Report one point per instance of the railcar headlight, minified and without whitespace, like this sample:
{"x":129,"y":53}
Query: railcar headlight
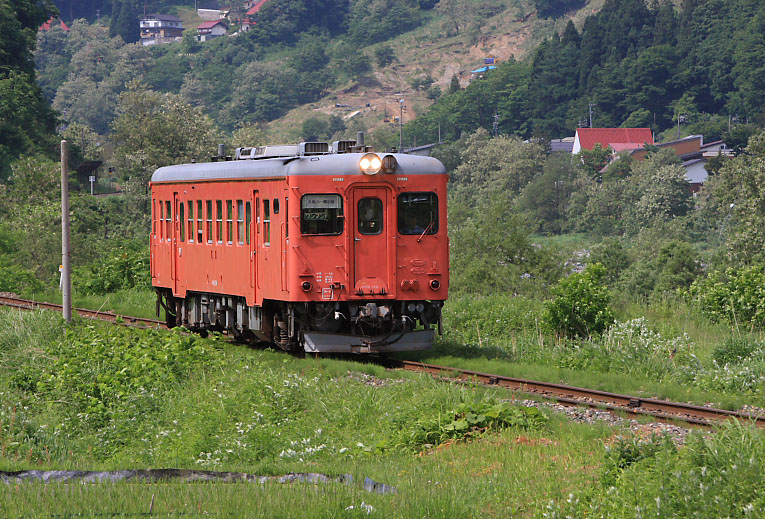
{"x":370,"y":164}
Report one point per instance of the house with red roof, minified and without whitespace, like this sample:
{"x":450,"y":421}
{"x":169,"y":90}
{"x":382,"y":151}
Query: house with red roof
{"x":209,"y":30}
{"x":52,"y":23}
{"x":249,"y":18}
{"x":618,"y":139}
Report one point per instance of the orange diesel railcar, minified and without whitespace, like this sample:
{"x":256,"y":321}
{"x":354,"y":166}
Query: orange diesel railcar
{"x":325,"y":248}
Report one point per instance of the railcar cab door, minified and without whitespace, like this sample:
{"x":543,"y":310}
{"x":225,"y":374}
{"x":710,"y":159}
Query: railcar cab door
{"x":178,"y":242}
{"x":370,"y":228}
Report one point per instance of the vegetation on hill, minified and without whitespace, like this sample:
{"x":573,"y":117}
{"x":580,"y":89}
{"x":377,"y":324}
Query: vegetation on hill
{"x":26,"y":121}
{"x":636,"y":64}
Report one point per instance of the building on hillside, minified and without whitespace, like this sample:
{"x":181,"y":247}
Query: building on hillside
{"x":210,"y":30}
{"x":564,"y":145}
{"x":52,"y":22}
{"x":210,"y":15}
{"x":160,"y":28}
{"x":618,"y":139}
{"x":250,"y":17}
{"x":693,"y":153}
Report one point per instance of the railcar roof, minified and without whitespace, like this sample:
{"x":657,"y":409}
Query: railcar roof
{"x":345,"y":164}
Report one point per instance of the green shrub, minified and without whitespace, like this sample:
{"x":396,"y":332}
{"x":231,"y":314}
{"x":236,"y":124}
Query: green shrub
{"x":736,"y":295}
{"x":713,"y":475}
{"x":735,"y":349}
{"x":470,"y":419}
{"x":123,"y":268}
{"x":581,"y":304}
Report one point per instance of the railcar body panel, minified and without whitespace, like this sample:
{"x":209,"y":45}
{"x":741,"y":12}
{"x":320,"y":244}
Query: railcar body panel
{"x":306,"y":229}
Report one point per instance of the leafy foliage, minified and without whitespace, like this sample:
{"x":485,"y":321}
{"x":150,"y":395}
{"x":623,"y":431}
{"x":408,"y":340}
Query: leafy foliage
{"x":581,"y":304}
{"x":124,"y":267}
{"x":101,"y":374}
{"x":491,"y":251}
{"x":471,"y":420}
{"x":736,"y":296}
{"x":716,"y":475}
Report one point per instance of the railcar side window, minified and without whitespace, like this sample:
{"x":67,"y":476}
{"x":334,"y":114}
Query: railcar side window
{"x":209,"y":222}
{"x":418,"y":213}
{"x":321,"y":214}
{"x":219,"y":221}
{"x":168,"y":221}
{"x":240,"y":222}
{"x":200,"y":216}
{"x":248,"y":220}
{"x":266,"y":223}
{"x":370,"y":216}
{"x":182,"y":221}
{"x":154,"y":218}
{"x":191,"y":221}
{"x":276,"y":206}
{"x":161,"y":220}
{"x":229,"y":223}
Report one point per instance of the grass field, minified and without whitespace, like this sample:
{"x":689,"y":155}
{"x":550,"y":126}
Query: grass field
{"x":90,"y":396}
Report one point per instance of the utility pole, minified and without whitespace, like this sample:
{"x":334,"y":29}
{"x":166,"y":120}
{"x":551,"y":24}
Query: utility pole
{"x":495,"y":126}
{"x":590,"y":115}
{"x":402,"y":109}
{"x":66,"y":267}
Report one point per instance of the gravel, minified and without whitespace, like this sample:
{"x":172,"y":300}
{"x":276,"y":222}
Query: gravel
{"x":591,"y":416}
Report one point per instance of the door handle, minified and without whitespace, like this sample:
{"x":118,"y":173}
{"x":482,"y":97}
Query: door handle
{"x":356,"y":239}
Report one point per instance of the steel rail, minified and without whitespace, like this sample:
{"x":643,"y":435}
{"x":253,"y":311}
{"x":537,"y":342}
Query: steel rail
{"x":577,"y":396}
{"x":27,"y":304}
{"x":561,"y":393}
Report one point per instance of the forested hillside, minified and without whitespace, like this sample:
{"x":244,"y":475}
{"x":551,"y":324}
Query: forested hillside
{"x":635,"y":64}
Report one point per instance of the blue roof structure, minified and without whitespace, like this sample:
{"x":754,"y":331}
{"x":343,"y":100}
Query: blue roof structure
{"x":482,"y":69}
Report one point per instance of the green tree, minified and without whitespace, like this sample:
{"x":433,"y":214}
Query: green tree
{"x":154,"y":130}
{"x":502,"y":165}
{"x":592,"y":161}
{"x":353,"y":63}
{"x":125,"y":23}
{"x":736,"y":196}
{"x":26,"y":121}
{"x":580,"y":307}
{"x":491,"y":250}
{"x":434,"y":92}
{"x":384,"y":56}
{"x":546,"y":196}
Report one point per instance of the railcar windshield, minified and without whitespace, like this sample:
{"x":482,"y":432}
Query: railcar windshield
{"x":418,"y":213}
{"x":321,"y":214}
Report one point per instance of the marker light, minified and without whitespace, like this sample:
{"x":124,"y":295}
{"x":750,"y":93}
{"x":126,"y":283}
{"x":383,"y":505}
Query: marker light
{"x":306,"y":286}
{"x":370,"y":164}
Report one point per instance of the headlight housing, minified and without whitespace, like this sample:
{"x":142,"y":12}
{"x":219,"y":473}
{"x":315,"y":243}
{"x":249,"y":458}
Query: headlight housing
{"x":370,"y":164}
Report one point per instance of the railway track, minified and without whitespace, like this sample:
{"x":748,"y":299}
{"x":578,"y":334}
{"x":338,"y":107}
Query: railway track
{"x":568,"y":395}
{"x":26,"y":304}
{"x":577,"y":396}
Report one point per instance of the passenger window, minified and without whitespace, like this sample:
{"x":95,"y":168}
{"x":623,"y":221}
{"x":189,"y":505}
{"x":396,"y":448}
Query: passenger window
{"x":370,"y":216}
{"x":161,"y":220}
{"x":266,"y":223}
{"x":200,"y":216}
{"x":321,"y":214}
{"x":219,"y":221}
{"x":276,"y":206}
{"x":209,"y":222}
{"x":182,"y":222}
{"x":229,"y":223}
{"x":168,"y":221}
{"x":191,"y":222}
{"x":240,"y":222}
{"x":248,"y":220}
{"x":418,"y":213}
{"x":154,"y":218}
